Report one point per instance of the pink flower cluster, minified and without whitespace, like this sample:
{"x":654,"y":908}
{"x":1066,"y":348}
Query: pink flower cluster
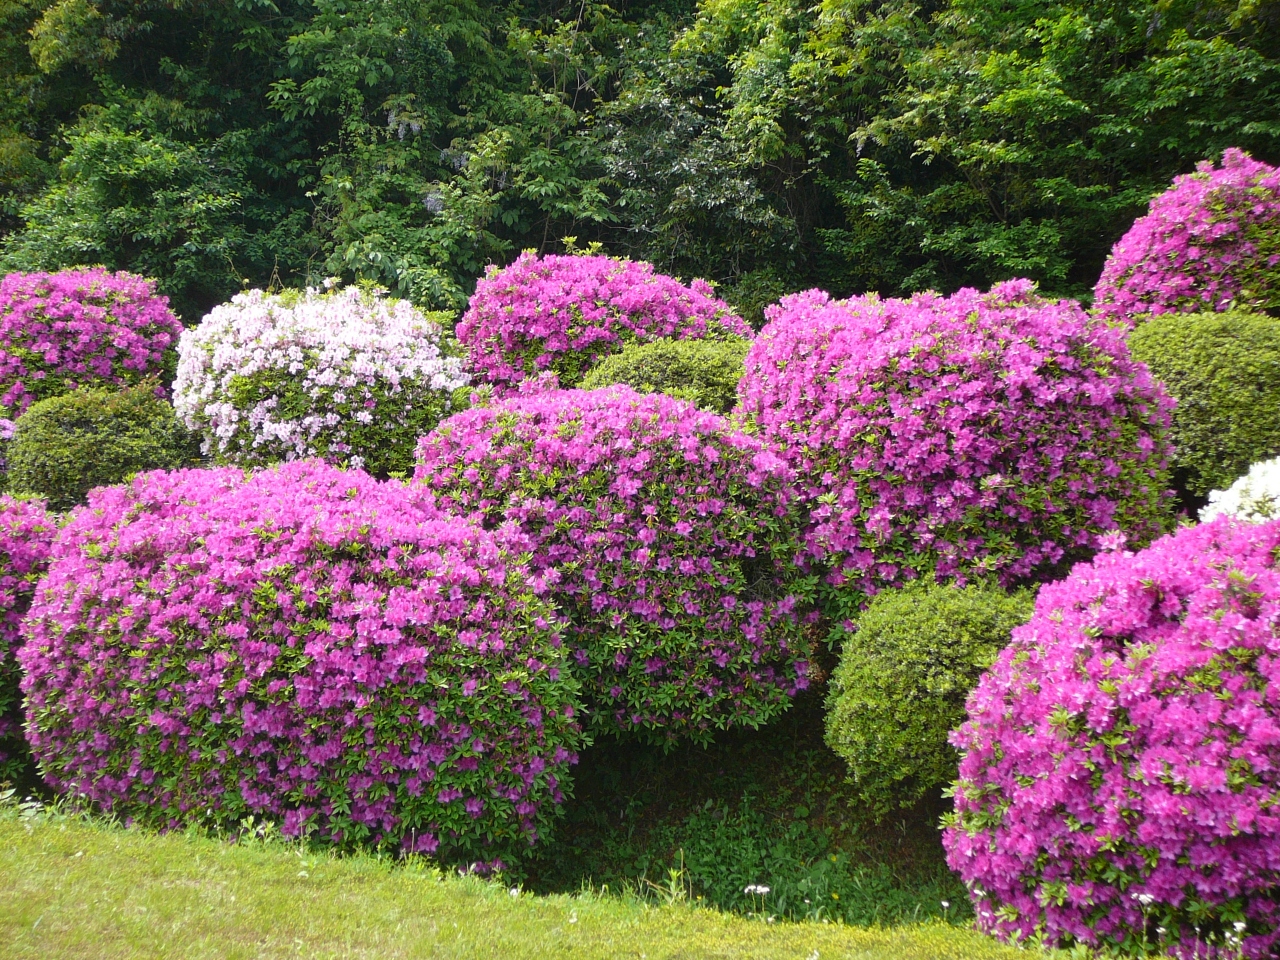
{"x":564,"y":313}
{"x":997,"y":433}
{"x":1121,"y":760}
{"x":306,"y":644}
{"x":62,"y":330}
{"x":664,"y":535}
{"x":26,"y":532}
{"x":1210,"y":241}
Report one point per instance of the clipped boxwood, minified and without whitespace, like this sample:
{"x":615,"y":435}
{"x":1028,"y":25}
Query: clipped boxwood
{"x":902,"y":681}
{"x":65,"y":446}
{"x":704,"y":372}
{"x":1223,"y":369}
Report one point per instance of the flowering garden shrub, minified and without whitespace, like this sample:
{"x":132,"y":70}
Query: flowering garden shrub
{"x":665,"y":537}
{"x":306,"y":644}
{"x":1121,"y":759}
{"x":564,"y":313}
{"x":76,"y":328}
{"x":350,"y":376}
{"x":1254,"y":497}
{"x":995,"y":433}
{"x":1210,"y":241}
{"x":26,"y":531}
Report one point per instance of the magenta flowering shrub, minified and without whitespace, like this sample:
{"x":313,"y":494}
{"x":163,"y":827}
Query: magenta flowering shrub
{"x":665,"y":537}
{"x":304,"y":644}
{"x":1121,"y":760}
{"x":26,"y":532}
{"x":1209,"y":242}
{"x":978,"y":434}
{"x":59,"y":331}
{"x":564,"y":313}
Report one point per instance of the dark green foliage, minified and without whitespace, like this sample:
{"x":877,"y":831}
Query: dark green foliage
{"x":65,"y":446}
{"x":902,"y":681}
{"x":1224,"y":371}
{"x":704,"y":372}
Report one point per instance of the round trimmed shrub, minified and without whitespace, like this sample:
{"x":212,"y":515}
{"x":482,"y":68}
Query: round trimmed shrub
{"x":704,"y":372}
{"x":1121,"y":760}
{"x":350,"y":376}
{"x":665,"y":537}
{"x":75,"y":328}
{"x":905,"y":671}
{"x":1255,"y":497}
{"x":92,"y":437}
{"x":563,"y":314}
{"x":305,"y":644}
{"x":26,"y":533}
{"x":1209,"y":242}
{"x":972,"y":435}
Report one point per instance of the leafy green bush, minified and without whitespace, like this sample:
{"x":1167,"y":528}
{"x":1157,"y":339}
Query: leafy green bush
{"x":64,"y":446}
{"x":704,"y":372}
{"x":1224,"y":371}
{"x":902,"y":681}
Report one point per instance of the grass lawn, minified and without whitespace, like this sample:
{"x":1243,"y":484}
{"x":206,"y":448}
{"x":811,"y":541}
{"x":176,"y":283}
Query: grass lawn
{"x":73,"y":888}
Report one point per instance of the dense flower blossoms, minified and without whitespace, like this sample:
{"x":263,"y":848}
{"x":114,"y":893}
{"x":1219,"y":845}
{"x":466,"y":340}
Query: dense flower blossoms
{"x":26,"y":532}
{"x":663,"y":534}
{"x":351,"y":377}
{"x":305,"y":644}
{"x":1209,"y":242}
{"x":1254,"y":497}
{"x":62,"y":330}
{"x":1121,"y":760}
{"x":563,"y":313}
{"x":995,"y":433}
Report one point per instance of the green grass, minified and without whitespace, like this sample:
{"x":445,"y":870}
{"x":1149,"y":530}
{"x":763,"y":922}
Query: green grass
{"x":72,"y":887}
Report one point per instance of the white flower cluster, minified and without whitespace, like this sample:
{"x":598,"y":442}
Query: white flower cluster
{"x":336,"y":375}
{"x":1254,"y":497}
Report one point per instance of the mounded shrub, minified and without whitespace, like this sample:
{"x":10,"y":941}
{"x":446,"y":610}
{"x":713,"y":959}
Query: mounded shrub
{"x":563,"y":314}
{"x":64,"y":446}
{"x":307,"y":645}
{"x":978,"y":434}
{"x":1121,"y":760}
{"x":1209,"y":242}
{"x":350,"y":376}
{"x":1255,"y":497}
{"x":75,"y":328}
{"x":704,"y":372}
{"x":905,"y":671}
{"x":665,"y":537}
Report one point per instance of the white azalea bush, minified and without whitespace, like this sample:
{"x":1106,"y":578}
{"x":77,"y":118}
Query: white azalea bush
{"x":350,"y":376}
{"x":1254,"y":497}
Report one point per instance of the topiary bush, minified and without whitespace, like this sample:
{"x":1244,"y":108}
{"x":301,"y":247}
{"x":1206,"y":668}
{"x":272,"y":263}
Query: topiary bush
{"x":704,"y":372}
{"x":665,"y":537}
{"x":565,"y":313}
{"x":904,"y":674}
{"x":307,"y":645}
{"x":59,"y":331}
{"x":1121,"y":760}
{"x":350,"y":376}
{"x":978,"y":434}
{"x":64,"y":446}
{"x":1209,"y":242}
{"x":1255,"y":497}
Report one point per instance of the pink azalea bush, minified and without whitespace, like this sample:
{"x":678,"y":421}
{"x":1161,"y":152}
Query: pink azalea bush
{"x":307,"y":645}
{"x":564,"y":313}
{"x":26,"y":532}
{"x":1209,"y":242}
{"x":663,"y":534}
{"x":978,"y":434}
{"x":62,"y":330}
{"x":1121,"y":760}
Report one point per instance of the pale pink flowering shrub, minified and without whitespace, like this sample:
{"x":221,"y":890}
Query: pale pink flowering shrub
{"x":59,"y":331}
{"x":564,"y":313}
{"x":1209,"y":242}
{"x":978,"y":434}
{"x":1121,"y":760}
{"x":665,"y":537}
{"x":308,"y":645}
